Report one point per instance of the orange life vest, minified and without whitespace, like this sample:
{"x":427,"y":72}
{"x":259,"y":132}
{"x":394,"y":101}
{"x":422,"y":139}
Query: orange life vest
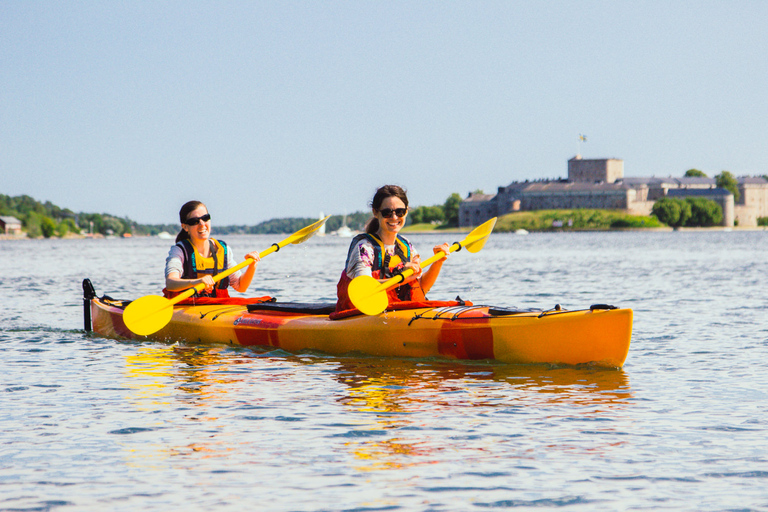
{"x":195,"y":265}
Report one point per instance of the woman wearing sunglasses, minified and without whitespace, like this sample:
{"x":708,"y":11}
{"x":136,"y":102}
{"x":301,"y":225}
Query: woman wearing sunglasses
{"x":381,"y":252}
{"x":197,"y":257}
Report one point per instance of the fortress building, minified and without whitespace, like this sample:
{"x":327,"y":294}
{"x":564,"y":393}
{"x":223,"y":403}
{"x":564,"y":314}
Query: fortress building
{"x":600,"y":184}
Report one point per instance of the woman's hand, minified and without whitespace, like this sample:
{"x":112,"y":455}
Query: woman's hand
{"x":209,"y":283}
{"x":415,"y":265}
{"x":445,"y":248}
{"x":253,"y":256}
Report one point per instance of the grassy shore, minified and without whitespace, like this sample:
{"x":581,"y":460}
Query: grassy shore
{"x":575,"y":220}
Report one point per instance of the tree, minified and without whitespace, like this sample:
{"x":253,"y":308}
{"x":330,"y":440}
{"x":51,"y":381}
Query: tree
{"x":704,"y":212}
{"x":694,"y":173}
{"x":32,"y":225}
{"x":47,"y":226}
{"x":434,"y":213}
{"x":451,"y":209}
{"x":672,"y":212}
{"x":426,"y":214}
{"x":728,"y":181}
{"x":66,"y":226}
{"x":113,"y":226}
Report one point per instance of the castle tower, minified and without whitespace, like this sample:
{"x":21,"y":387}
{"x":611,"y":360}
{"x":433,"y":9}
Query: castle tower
{"x":606,"y":170}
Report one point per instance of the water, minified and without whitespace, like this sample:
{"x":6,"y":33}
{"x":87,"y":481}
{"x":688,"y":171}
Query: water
{"x":94,"y":424}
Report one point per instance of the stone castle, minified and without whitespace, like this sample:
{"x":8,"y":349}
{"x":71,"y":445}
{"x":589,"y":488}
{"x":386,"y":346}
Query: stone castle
{"x":600,"y":183}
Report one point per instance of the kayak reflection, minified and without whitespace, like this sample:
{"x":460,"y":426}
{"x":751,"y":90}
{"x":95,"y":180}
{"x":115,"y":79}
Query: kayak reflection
{"x":404,"y":381}
{"x":159,"y":377}
{"x":416,"y":398}
{"x":388,"y":413}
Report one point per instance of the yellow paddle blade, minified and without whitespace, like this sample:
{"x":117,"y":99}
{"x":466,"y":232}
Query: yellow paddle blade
{"x":476,"y":238}
{"x":148,"y":314}
{"x":306,"y":233}
{"x":367,"y":294}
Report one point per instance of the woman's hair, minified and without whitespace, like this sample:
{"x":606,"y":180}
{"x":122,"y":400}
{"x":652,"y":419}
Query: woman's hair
{"x":381,"y":194}
{"x":188,"y":207}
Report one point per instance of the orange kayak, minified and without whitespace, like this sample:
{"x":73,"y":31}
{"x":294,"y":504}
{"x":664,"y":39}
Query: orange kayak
{"x":598,"y":336}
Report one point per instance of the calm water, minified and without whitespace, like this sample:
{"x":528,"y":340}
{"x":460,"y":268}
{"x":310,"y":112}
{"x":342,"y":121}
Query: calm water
{"x":95,"y":424}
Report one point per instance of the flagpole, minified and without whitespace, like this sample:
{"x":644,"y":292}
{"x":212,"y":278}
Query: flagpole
{"x":582,"y":138}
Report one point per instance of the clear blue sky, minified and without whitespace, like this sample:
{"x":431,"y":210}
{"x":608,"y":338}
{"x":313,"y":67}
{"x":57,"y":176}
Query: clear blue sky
{"x":281,"y":109}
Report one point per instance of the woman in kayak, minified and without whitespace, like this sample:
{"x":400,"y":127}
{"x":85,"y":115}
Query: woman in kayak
{"x":381,"y":252}
{"x":197,"y":257}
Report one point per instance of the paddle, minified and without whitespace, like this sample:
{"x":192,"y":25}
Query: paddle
{"x":151,"y":313}
{"x":370,"y":296}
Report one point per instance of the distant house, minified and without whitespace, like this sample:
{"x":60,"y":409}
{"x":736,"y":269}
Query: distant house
{"x":600,"y":183}
{"x":10,"y":225}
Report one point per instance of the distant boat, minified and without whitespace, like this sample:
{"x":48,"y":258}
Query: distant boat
{"x":344,"y":232}
{"x":321,"y":231}
{"x":521,"y":232}
{"x":165,"y":235}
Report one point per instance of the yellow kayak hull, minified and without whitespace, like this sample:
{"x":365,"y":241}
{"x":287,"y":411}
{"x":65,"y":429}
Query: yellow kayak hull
{"x":598,"y":336}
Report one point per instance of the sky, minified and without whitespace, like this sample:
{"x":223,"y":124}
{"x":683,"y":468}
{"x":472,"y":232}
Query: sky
{"x":289,"y":109}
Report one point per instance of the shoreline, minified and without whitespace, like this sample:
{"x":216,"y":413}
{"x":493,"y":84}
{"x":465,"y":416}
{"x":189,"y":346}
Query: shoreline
{"x":595,"y":230}
{"x":454,"y":231}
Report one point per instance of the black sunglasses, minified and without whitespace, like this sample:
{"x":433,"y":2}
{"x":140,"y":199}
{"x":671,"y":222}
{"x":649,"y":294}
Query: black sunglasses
{"x":194,"y":221}
{"x":387,"y":212}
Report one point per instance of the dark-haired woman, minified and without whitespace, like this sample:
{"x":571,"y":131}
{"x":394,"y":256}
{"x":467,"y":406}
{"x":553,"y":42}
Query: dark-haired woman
{"x":382,"y":252}
{"x":197,"y":258}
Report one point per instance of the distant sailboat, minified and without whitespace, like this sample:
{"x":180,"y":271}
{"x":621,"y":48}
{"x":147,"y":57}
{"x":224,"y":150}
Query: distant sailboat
{"x":321,"y":231}
{"x":344,"y":231}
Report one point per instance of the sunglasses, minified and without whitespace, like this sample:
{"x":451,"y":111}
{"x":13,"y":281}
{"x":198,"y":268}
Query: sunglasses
{"x":387,"y":212}
{"x":194,"y":221}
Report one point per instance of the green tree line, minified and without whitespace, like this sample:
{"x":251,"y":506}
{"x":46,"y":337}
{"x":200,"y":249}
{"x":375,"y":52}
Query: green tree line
{"x":49,"y":220}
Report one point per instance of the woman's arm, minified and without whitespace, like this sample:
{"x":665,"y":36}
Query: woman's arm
{"x":242,"y":284}
{"x":174,"y":282}
{"x":430,"y":275}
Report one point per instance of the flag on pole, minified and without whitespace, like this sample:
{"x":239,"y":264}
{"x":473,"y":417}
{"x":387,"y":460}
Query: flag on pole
{"x":582,"y":138}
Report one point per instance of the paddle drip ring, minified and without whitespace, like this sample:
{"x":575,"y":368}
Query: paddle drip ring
{"x":276,"y":246}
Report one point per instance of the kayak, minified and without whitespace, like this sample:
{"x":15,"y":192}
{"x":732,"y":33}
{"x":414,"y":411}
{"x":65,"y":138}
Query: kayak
{"x":598,"y":336}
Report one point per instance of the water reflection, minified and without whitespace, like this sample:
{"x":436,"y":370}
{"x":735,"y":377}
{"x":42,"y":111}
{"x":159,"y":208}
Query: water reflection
{"x":148,"y":373}
{"x":406,"y":396}
{"x":164,"y":379}
{"x":157,"y":371}
{"x":399,"y":413}
{"x":402,"y":383}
